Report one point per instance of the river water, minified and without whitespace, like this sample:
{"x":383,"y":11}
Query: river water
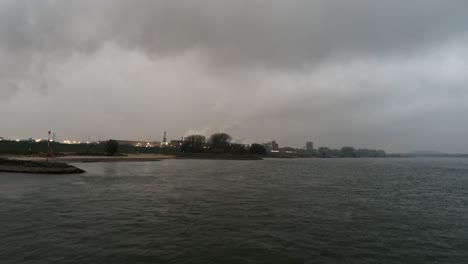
{"x":272,"y":211}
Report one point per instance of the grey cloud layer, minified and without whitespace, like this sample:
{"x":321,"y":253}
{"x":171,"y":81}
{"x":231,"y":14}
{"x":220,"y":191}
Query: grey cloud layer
{"x":268,"y":33}
{"x":340,"y":72}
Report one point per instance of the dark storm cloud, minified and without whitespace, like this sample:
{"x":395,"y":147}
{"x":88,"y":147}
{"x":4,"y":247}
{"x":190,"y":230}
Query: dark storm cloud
{"x":328,"y":70}
{"x":266,"y":33}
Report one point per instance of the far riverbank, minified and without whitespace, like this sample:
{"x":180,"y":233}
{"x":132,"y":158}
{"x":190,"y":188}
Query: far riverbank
{"x":134,"y":157}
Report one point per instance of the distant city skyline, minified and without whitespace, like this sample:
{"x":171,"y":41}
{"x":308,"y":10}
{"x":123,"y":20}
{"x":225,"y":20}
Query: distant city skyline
{"x":387,"y":75}
{"x":272,"y":145}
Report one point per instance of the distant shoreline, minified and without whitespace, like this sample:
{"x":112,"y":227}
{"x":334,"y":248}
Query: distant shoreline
{"x":135,"y":157}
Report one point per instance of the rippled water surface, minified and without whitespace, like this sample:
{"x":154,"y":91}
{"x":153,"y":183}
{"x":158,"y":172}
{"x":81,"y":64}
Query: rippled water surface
{"x":271,"y":211}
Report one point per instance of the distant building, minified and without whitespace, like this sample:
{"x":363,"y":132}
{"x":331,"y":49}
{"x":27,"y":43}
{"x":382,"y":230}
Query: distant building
{"x":272,"y":145}
{"x":142,"y":144}
{"x":176,"y":143}
{"x":130,"y":142}
{"x":310,"y":146}
{"x":289,"y":150}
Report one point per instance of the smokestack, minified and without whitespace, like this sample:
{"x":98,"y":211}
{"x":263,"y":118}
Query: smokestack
{"x":165,"y":139}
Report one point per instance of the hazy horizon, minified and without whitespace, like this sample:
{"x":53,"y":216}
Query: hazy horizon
{"x":389,"y":75}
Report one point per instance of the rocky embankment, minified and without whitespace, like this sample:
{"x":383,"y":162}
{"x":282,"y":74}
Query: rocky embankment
{"x":26,"y":166}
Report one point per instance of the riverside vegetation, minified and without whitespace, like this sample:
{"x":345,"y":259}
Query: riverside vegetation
{"x":217,"y":146}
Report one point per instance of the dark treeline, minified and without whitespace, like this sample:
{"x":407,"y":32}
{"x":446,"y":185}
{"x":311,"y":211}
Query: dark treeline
{"x":350,"y":152}
{"x":219,"y":143}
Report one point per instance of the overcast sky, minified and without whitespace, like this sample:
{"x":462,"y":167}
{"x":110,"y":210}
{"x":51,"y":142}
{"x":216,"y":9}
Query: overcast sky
{"x":379,"y":74}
